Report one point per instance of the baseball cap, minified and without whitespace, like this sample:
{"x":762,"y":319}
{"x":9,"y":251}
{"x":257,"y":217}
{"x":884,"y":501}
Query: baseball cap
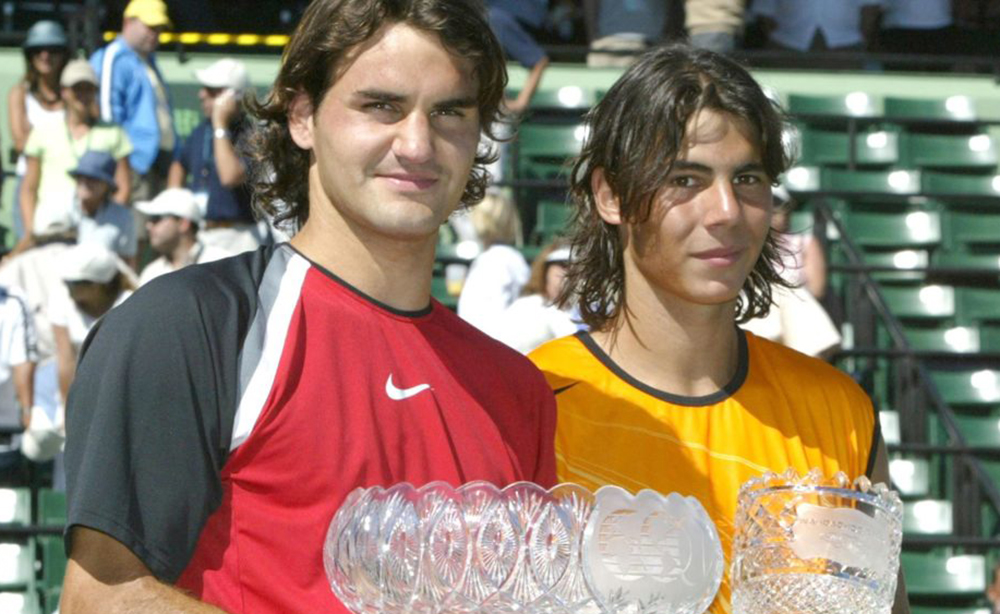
{"x":89,"y":262}
{"x":78,"y":71}
{"x":226,"y":72}
{"x":561,"y":254}
{"x":153,"y":13}
{"x":46,"y":33}
{"x":97,"y":165}
{"x":173,"y":201}
{"x":49,"y":221}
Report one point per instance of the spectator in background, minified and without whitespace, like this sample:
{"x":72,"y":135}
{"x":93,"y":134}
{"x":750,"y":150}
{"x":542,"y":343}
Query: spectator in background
{"x":101,"y":220}
{"x":55,"y":148}
{"x":18,"y":356}
{"x":217,"y":171}
{"x":534,"y":318}
{"x":715,"y":25}
{"x":95,"y":281}
{"x":510,"y":21}
{"x":917,"y":26}
{"x":818,"y":25}
{"x":623,"y":29}
{"x":134,"y":94}
{"x":37,"y":98}
{"x":500,"y":271}
{"x":172,"y":221}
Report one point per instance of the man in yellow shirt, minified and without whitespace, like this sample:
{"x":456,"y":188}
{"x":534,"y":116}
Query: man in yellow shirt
{"x":673,"y":249}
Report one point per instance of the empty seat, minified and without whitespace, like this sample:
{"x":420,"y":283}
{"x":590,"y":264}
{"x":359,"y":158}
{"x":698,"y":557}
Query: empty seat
{"x":53,"y":561}
{"x":957,"y":339}
{"x":927,"y":517}
{"x":980,"y":431}
{"x":544,"y":151}
{"x":927,"y":303}
{"x":20,"y":602}
{"x":950,"y":109}
{"x":894,"y":230}
{"x":932,"y":183}
{"x":854,"y":104}
{"x":51,"y":507}
{"x":978,"y":304}
{"x":903,"y":182}
{"x":963,"y":229}
{"x":567,"y":97}
{"x":15,"y":506}
{"x":969,"y":388}
{"x":874,"y":148}
{"x":911,"y":477}
{"x":17,"y":565}
{"x":903,"y":261}
{"x":889,"y":423}
{"x":965,"y":260}
{"x":931,"y":574}
{"x":948,"y":151}
{"x":552,"y":220}
{"x":916,"y":609}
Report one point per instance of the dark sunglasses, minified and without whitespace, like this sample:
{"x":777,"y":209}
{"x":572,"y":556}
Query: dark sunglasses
{"x":51,"y":50}
{"x":155,"y":219}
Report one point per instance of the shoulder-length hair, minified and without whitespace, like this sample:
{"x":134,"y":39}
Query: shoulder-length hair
{"x":314,"y":58}
{"x":635,"y":134}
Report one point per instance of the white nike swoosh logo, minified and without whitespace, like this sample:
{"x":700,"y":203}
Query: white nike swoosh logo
{"x":398,"y":394}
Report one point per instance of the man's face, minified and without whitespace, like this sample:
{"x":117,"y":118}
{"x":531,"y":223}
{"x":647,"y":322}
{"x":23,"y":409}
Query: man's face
{"x":394,"y":138}
{"x":164,"y":232}
{"x":81,"y":100}
{"x":207,"y":96}
{"x":141,"y":38}
{"x":708,"y":224}
{"x":91,"y":193}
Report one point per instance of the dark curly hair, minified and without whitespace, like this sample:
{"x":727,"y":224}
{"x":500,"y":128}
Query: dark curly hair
{"x":635,"y":134}
{"x":326,"y":35}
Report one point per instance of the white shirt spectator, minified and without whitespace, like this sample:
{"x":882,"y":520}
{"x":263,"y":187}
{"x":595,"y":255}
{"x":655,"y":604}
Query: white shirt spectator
{"x":494,"y":281}
{"x":530,"y":321}
{"x":916,"y":14}
{"x":17,"y":346}
{"x":798,"y":20}
{"x":113,"y":226}
{"x":64,"y":312}
{"x":35,"y":273}
{"x":199,"y":254}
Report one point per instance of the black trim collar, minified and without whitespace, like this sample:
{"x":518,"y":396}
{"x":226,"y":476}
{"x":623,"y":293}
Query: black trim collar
{"x":742,"y":369}
{"x":419,"y":313}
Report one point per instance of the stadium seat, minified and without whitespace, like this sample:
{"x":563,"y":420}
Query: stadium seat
{"x":963,"y":229}
{"x":932,"y":574}
{"x":53,"y":555}
{"x":21,"y":602}
{"x":950,"y":109}
{"x":15,"y":506}
{"x":889,"y":423}
{"x":51,"y":507}
{"x":823,"y":147}
{"x":980,"y":387}
{"x":903,"y":182}
{"x":551,"y":221}
{"x":979,"y":430}
{"x":916,"y":609}
{"x":544,"y":150}
{"x":803,"y":178}
{"x":854,"y":104}
{"x":978,"y":304}
{"x":935,"y":184}
{"x":927,"y":517}
{"x":17,"y":565}
{"x":911,"y":477}
{"x":928,"y":303}
{"x":566,"y":97}
{"x":948,"y":151}
{"x":957,"y":339}
{"x":989,"y":338}
{"x":902,"y":260}
{"x":888,"y":230}
{"x":965,"y":260}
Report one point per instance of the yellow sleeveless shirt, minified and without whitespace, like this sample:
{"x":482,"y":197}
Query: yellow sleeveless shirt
{"x":782,"y":409}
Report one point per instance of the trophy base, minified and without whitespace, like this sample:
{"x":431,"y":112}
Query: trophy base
{"x":803,"y":593}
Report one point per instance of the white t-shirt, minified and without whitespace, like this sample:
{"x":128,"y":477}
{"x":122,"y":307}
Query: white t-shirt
{"x":17,"y":346}
{"x":113,"y":226}
{"x":199,"y":254}
{"x":798,"y":20}
{"x":530,"y":321}
{"x":494,"y":281}
{"x":36,"y":274}
{"x":64,"y":312}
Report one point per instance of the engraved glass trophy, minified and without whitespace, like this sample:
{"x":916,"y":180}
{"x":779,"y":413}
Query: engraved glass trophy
{"x":480,"y":549}
{"x":815,"y":545}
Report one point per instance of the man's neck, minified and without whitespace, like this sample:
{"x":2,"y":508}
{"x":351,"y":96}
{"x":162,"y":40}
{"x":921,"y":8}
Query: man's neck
{"x":396,"y":272}
{"x":78,"y":124}
{"x":673,"y":345}
{"x":180,"y":256}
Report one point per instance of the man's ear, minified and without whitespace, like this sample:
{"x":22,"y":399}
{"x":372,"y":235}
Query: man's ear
{"x":300,"y":121}
{"x":608,"y":205}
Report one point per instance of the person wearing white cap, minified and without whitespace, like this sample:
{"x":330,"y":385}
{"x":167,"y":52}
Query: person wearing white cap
{"x":172,"y":221}
{"x":134,"y":94}
{"x":55,"y":148}
{"x":209,"y":164}
{"x":95,"y":280}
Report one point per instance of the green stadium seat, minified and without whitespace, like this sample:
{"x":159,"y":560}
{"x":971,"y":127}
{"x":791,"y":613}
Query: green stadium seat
{"x":950,"y":109}
{"x":890,"y":230}
{"x":900,"y":182}
{"x":989,"y":338}
{"x":51,"y":507}
{"x":854,"y":104}
{"x":958,"y":339}
{"x":976,"y":151}
{"x":964,"y":229}
{"x":902,"y":260}
{"x":566,"y":97}
{"x":21,"y":602}
{"x":933,"y":574}
{"x":965,"y":260}
{"x":825,"y":147}
{"x":910,"y":476}
{"x":889,"y":423}
{"x":552,"y":220}
{"x":803,"y":179}
{"x":957,"y":184}
{"x":52,"y":597}
{"x":978,"y":304}
{"x":980,"y":430}
{"x":927,"y":517}
{"x":53,"y":561}
{"x":15,"y":506}
{"x":928,"y":303}
{"x":545,"y":150}
{"x":980,"y":387}
{"x":17,"y":565}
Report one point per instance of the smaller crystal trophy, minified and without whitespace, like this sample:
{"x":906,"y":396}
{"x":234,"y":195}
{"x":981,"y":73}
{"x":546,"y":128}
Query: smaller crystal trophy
{"x":525,"y":549}
{"x":815,"y":545}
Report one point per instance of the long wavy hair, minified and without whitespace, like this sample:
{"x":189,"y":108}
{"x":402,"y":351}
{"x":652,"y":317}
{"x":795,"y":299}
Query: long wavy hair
{"x":314,"y":58}
{"x":635,"y":134}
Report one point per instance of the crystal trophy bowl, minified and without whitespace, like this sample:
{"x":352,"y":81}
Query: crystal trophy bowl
{"x":815,"y":545}
{"x":521,"y":549}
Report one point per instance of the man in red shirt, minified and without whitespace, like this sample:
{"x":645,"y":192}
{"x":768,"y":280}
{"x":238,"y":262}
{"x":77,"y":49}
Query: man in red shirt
{"x":223,"y":413}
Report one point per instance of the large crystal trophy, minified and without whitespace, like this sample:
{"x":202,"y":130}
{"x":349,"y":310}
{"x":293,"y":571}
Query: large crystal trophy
{"x":525,"y":549}
{"x":815,"y":545}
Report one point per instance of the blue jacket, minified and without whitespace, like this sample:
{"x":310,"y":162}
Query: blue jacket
{"x":128,"y":98}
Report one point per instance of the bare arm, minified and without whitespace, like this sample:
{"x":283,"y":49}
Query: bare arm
{"x":29,"y":193}
{"x":227,"y":162}
{"x":66,"y":359}
{"x":103,"y":576}
{"x":814,"y":268}
{"x":880,"y":473}
{"x":176,"y":175}
{"x":519,"y":104}
{"x":17,"y":116}
{"x":123,"y":177}
{"x":24,"y":387}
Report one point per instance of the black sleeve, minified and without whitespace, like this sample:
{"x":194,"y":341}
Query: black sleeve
{"x":149,"y":417}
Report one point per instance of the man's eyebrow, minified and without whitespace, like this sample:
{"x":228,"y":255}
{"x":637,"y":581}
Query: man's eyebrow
{"x":684,"y":165}
{"x":457,"y":103}
{"x":379,"y":96}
